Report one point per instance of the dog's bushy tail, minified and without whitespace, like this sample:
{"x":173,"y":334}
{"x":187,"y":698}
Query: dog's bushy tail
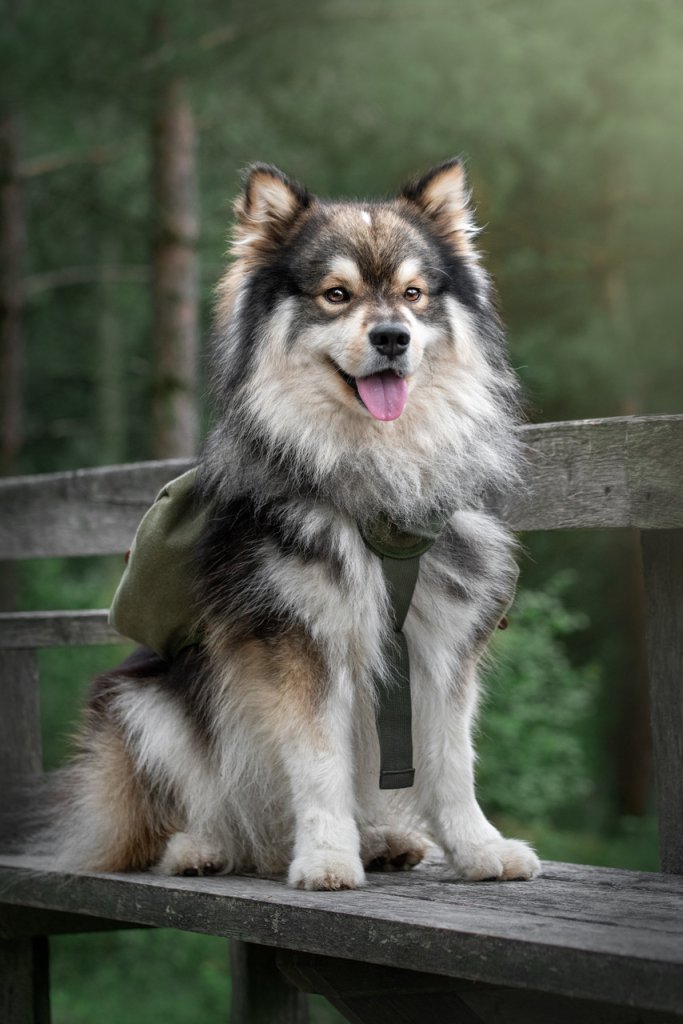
{"x":78,"y":824}
{"x":30,"y":808}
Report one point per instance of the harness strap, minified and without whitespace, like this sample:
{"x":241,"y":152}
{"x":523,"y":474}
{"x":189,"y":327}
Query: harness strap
{"x":394,"y":710}
{"x":399,"y":552}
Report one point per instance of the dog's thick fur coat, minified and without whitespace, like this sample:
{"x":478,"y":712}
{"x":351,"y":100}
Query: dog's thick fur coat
{"x":360,"y":373}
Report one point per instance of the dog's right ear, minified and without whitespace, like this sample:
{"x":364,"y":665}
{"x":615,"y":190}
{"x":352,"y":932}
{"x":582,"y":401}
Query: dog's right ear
{"x":266,"y":210}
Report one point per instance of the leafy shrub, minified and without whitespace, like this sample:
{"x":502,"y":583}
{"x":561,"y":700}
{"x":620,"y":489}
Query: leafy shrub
{"x":534,"y":761}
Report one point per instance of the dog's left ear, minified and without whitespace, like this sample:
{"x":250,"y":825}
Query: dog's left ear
{"x":267,"y":209}
{"x":443,"y":197}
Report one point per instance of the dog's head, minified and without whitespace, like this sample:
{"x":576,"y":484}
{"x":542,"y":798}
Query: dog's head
{"x":350,"y":325}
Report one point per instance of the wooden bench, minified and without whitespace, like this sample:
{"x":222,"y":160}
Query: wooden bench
{"x":580,"y":944}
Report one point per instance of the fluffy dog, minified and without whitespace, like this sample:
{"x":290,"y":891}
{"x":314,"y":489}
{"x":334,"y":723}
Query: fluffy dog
{"x":360,"y":375}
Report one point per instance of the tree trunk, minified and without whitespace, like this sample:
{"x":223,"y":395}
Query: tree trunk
{"x":633,"y":739}
{"x":634,"y":774}
{"x":174,"y":274}
{"x":12,"y":300}
{"x":111,"y":406}
{"x":12,"y":250}
{"x":110,"y":368}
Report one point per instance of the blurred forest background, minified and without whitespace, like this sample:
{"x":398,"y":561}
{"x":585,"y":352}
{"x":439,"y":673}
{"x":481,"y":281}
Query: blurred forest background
{"x":124,"y":128}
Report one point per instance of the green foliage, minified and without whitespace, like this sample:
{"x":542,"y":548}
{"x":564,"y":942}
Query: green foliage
{"x":533,"y":744}
{"x":58,"y":583}
{"x":139,"y":977}
{"x":631,"y":843}
{"x":147,"y":977}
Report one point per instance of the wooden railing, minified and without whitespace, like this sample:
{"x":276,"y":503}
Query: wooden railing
{"x":620,"y":472}
{"x":613,"y":473}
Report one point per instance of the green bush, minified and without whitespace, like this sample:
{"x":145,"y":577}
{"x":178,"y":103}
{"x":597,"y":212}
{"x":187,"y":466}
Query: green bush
{"x":534,"y":756}
{"x":147,"y":977}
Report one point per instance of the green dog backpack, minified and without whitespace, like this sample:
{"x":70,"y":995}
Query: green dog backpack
{"x":154,"y":603}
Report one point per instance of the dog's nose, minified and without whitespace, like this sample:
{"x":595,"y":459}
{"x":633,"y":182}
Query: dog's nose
{"x":390,"y":339}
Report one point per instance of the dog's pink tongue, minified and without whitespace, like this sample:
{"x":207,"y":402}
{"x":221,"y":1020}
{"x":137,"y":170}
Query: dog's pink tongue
{"x":384,"y":394}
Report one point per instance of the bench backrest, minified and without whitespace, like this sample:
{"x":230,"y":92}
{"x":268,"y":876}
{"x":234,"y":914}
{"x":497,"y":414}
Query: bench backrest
{"x":618,"y":472}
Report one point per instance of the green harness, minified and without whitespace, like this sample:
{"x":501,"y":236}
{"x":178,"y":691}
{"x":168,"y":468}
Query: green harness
{"x":154,"y":604}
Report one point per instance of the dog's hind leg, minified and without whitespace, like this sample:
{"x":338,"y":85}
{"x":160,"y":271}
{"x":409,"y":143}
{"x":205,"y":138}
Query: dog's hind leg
{"x":388,"y":848}
{"x":204,"y":846}
{"x":189,"y":853}
{"x":170,"y":760}
{"x":390,"y":831}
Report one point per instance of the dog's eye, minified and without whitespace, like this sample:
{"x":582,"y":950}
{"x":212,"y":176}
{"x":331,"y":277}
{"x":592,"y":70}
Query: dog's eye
{"x":412,"y":294}
{"x":337,"y":295}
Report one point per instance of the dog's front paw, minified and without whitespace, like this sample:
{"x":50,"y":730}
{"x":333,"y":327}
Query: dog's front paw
{"x":186,"y":854}
{"x":326,"y":870}
{"x":497,"y":858}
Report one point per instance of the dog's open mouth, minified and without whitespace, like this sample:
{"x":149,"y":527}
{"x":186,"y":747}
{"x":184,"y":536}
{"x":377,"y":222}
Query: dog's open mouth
{"x":383,"y":394}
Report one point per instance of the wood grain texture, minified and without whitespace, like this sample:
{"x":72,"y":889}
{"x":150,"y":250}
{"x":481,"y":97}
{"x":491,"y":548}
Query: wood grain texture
{"x":374,"y":994}
{"x":83,"y":512}
{"x":20,"y":740}
{"x":24,"y":982}
{"x":592,"y":936}
{"x":24,"y":976}
{"x":260,"y":993}
{"x":27,"y":923}
{"x":617,"y":472}
{"x":56,"y":629}
{"x":370,"y":994}
{"x":663,"y":569}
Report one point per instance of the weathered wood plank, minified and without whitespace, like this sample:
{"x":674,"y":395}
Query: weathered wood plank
{"x":522,"y":1007}
{"x":56,"y":629}
{"x":613,"y":907}
{"x":617,"y":472}
{"x":523,"y":944}
{"x":371,"y":994}
{"x":260,"y":993}
{"x":368,"y":994}
{"x":663,"y":569}
{"x":20,"y":742}
{"x":24,"y":982}
{"x":83,"y":512}
{"x":26,"y":923}
{"x":580,"y":877}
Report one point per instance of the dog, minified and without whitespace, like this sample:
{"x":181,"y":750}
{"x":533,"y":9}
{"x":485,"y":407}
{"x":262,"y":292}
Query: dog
{"x":360,"y":375}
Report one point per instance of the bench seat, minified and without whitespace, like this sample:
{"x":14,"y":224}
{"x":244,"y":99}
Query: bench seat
{"x":586,"y":932}
{"x":581,"y":945}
